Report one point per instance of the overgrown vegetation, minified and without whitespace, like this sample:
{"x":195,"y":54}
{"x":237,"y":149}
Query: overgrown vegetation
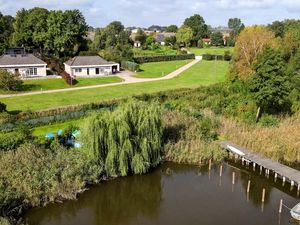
{"x":128,"y":140}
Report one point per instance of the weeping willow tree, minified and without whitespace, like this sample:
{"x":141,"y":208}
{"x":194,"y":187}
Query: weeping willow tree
{"x":128,"y":140}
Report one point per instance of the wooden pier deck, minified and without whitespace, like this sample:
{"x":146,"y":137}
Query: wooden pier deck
{"x":288,"y":174}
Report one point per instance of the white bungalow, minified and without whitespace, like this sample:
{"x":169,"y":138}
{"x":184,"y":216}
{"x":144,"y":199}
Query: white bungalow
{"x":27,"y":65}
{"x":90,"y":66}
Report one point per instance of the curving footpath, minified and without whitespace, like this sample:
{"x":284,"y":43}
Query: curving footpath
{"x":128,"y":79}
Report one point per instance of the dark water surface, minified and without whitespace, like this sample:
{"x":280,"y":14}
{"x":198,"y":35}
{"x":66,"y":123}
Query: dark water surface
{"x":189,"y":195}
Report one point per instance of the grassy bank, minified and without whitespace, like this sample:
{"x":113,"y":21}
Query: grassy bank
{"x":58,"y":83}
{"x":211,"y":50}
{"x":203,"y":73}
{"x":159,"y":69}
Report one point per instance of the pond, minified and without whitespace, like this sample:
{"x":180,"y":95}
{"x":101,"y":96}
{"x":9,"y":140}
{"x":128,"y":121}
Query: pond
{"x":175,"y":195}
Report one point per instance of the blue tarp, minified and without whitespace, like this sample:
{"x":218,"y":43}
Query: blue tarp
{"x":50,"y":135}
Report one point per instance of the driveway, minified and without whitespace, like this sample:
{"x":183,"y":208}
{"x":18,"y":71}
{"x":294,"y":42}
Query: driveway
{"x":127,"y":76}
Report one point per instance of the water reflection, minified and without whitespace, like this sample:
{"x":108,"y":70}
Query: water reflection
{"x":175,"y":194}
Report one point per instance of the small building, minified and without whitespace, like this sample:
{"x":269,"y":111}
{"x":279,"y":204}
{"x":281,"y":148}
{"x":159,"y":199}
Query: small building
{"x":83,"y":66}
{"x":27,"y":65}
{"x":206,"y":41}
{"x":160,"y":38}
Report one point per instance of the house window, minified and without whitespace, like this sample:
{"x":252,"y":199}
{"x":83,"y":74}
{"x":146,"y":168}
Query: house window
{"x":78,"y":70}
{"x":31,"y":71}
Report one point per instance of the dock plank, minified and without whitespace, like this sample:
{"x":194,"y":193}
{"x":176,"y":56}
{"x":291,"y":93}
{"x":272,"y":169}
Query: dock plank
{"x":282,"y":170}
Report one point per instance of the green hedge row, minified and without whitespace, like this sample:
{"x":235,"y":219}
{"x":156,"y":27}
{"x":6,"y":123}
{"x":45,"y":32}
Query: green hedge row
{"x":132,"y":66}
{"x":160,"y":58}
{"x":226,"y":57}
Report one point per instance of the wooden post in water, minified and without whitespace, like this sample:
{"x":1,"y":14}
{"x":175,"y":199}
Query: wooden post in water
{"x":292,"y":185}
{"x":280,"y":206}
{"x":298,"y":189}
{"x":283,"y":181}
{"x":263,"y":195}
{"x":248,"y":186}
{"x":260,"y":168}
{"x":209,"y":165}
{"x":221,"y":169}
{"x":275,"y":177}
{"x":254,"y":164}
{"x":233,"y":177}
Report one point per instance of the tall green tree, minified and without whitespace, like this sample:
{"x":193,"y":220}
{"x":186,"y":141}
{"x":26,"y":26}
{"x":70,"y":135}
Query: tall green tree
{"x":270,"y":84}
{"x":66,"y":31}
{"x":217,"y":39}
{"x":171,"y":28}
{"x":6,"y":31}
{"x":184,"y":35}
{"x":237,"y":26}
{"x":198,"y":26}
{"x":31,"y":28}
{"x":278,"y":28}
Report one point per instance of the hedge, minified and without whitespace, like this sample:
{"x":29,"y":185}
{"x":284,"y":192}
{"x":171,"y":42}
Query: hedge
{"x":132,"y":66}
{"x":225,"y":57}
{"x":160,"y":58}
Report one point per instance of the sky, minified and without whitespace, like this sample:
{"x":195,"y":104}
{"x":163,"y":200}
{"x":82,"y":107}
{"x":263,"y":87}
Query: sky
{"x":144,"y":13}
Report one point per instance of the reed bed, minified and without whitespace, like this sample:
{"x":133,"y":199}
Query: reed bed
{"x":280,"y":143}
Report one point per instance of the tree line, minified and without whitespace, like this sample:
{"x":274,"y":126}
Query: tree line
{"x":61,"y":33}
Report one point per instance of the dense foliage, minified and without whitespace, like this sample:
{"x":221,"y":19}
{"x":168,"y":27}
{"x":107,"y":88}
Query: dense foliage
{"x":59,"y":32}
{"x":128,"y":140}
{"x":10,"y":81}
{"x":160,"y":58}
{"x":6,"y":31}
{"x":131,"y":66}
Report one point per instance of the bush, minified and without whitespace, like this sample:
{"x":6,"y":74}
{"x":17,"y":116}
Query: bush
{"x":268,"y":121}
{"x":33,"y":176}
{"x":212,"y":57}
{"x":227,"y":56}
{"x":131,"y":66}
{"x":2,"y":107}
{"x":4,"y":221}
{"x":145,"y":59}
{"x":10,"y":81}
{"x":12,"y":140}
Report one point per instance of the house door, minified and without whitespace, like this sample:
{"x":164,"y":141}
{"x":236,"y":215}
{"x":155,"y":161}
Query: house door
{"x":16,"y":71}
{"x":97,"y":71}
{"x":88,"y":71}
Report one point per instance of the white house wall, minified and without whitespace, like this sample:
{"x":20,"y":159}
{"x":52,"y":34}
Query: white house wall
{"x":41,"y":70}
{"x":103,"y":70}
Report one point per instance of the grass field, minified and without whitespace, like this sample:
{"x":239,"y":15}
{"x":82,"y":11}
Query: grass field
{"x":212,"y":50}
{"x":203,"y":73}
{"x":159,"y":69}
{"x":43,"y":130}
{"x":163,"y":50}
{"x":58,"y":83}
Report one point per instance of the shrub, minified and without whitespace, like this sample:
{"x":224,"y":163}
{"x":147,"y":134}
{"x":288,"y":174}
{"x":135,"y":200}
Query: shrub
{"x":33,"y":176}
{"x":132,"y":66}
{"x":227,"y":56}
{"x":4,"y":221}
{"x":145,"y":59}
{"x":268,"y":121}
{"x":12,"y":140}
{"x":10,"y":81}
{"x":207,"y":57}
{"x":2,"y":107}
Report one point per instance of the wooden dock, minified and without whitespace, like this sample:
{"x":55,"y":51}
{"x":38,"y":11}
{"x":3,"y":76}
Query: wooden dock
{"x":286,"y":173}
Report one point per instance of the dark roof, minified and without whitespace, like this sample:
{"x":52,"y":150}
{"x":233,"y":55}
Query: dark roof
{"x":87,"y":61}
{"x":19,"y":59}
{"x":160,"y":37}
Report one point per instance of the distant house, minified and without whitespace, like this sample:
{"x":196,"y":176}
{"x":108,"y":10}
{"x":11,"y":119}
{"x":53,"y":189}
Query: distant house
{"x":206,"y":41}
{"x":90,"y":66}
{"x":27,"y":65}
{"x":225,"y":32}
{"x":160,"y":38}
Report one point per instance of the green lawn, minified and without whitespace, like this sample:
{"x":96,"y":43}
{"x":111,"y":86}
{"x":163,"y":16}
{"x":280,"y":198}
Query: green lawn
{"x":212,"y":50}
{"x":162,"y":50}
{"x":58,"y":83}
{"x":203,"y":73}
{"x":160,"y":69}
{"x":43,"y":130}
